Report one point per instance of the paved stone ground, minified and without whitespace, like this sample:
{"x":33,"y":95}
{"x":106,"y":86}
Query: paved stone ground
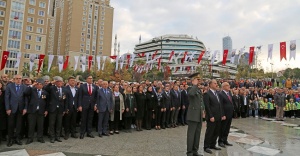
{"x":249,"y":136}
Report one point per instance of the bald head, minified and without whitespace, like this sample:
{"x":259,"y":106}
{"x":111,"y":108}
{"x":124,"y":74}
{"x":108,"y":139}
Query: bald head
{"x":225,"y":86}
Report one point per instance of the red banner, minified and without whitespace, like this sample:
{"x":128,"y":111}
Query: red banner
{"x":113,"y":57}
{"x":4,"y":59}
{"x":282,"y":50}
{"x":158,"y":64}
{"x":200,"y":56}
{"x":184,"y":56}
{"x":251,"y":55}
{"x":225,"y":53}
{"x":90,"y":62}
{"x":128,"y":59}
{"x":171,"y":55}
{"x":66,"y":63}
{"x":41,"y":60}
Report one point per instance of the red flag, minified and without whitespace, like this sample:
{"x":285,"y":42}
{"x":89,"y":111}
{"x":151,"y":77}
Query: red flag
{"x":188,"y":69}
{"x":183,"y":59}
{"x":90,"y":62}
{"x":158,"y":67}
{"x":41,"y":60}
{"x":141,"y":54}
{"x":251,"y":54}
{"x":128,"y":59}
{"x":224,"y":57}
{"x":200,"y":56}
{"x":282,"y":50}
{"x":154,"y":54}
{"x":66,"y":63}
{"x":4,"y":59}
{"x":113,"y":57}
{"x":171,"y":55}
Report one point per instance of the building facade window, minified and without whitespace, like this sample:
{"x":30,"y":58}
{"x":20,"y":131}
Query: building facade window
{"x":40,"y":21}
{"x":41,"y":13}
{"x":26,"y":55}
{"x":14,"y":34}
{"x":27,"y":46}
{"x":30,"y":19}
{"x":31,"y":11}
{"x":38,"y":47}
{"x":32,"y":2}
{"x":1,"y":32}
{"x":39,"y":39}
{"x":16,"y":15}
{"x":1,"y":23}
{"x":2,"y":4}
{"x":0,"y":42}
{"x":13,"y":44}
{"x":28,"y":37}
{"x":17,"y":5}
{"x":15,"y":24}
{"x":10,"y":63}
{"x":39,"y":30}
{"x":42,"y":5}
{"x":2,"y":13}
{"x":29,"y":28}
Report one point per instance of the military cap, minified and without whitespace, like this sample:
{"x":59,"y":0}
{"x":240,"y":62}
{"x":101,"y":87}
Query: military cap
{"x":195,"y":76}
{"x":40,"y":81}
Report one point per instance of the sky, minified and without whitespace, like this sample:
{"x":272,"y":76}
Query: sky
{"x":247,"y":22}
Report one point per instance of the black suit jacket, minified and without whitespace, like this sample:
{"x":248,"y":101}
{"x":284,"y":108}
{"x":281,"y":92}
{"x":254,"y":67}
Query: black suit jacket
{"x":166,"y":102}
{"x":85,"y":100}
{"x":226,"y":104}
{"x":55,"y":100}
{"x":236,"y":103}
{"x":213,"y":107}
{"x":70,"y":100}
{"x":36,"y":101}
{"x":175,"y":99}
{"x":184,"y":99}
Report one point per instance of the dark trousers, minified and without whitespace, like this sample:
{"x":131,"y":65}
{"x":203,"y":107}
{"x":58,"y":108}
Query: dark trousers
{"x":212,"y":133}
{"x":193,"y":137}
{"x":298,"y":113}
{"x":70,"y":122}
{"x":148,"y":120}
{"x":103,"y":122}
{"x":55,"y":122}
{"x":114,"y":125}
{"x":46,"y":125}
{"x":158,"y":114}
{"x":183,"y":115}
{"x":127,"y":122}
{"x":166,"y":118}
{"x":25,"y":126}
{"x":15,"y":121}
{"x":225,"y":128}
{"x":86,"y":120}
{"x":35,"y":119}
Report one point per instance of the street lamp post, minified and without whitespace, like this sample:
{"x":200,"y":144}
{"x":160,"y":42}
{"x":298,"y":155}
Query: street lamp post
{"x":272,"y":69}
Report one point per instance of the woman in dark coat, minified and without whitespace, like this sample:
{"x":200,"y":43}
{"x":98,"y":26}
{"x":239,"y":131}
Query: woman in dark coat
{"x":3,"y":116}
{"x":158,"y":108}
{"x":150,"y":102}
{"x":130,"y":108}
{"x":140,"y":103}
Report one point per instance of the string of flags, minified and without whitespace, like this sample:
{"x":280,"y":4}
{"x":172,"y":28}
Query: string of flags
{"x":152,"y":58}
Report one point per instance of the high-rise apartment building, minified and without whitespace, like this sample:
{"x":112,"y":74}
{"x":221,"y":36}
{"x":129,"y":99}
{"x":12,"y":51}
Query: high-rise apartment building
{"x":227,"y":45}
{"x":80,"y":27}
{"x":23,"y":29}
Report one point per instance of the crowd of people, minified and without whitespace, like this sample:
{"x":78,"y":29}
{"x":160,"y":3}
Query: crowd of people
{"x":55,"y":108}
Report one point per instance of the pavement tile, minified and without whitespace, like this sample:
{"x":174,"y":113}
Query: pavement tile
{"x":263,"y":150}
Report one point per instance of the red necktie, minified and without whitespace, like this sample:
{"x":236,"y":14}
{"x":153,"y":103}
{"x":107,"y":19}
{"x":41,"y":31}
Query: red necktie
{"x":229,"y":97}
{"x":90,"y":89}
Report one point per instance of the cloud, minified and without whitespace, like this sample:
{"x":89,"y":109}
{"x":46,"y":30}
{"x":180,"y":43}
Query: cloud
{"x":249,"y":23}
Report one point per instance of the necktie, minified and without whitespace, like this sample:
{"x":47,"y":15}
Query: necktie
{"x":217,"y":96}
{"x":90,"y":89}
{"x":59,"y":90}
{"x":176,"y":93}
{"x":39,"y":93}
{"x":18,"y":88}
{"x":228,"y":97}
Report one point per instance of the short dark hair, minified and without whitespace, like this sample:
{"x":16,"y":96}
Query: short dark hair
{"x":71,"y":77}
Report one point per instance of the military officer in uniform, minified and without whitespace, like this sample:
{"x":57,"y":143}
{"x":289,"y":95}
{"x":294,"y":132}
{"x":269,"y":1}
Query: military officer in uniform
{"x":194,"y":116}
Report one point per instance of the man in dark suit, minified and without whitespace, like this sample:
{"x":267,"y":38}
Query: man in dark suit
{"x":244,"y":101}
{"x":167,"y":105}
{"x":56,"y":108}
{"x":104,"y":107}
{"x":36,"y":110}
{"x":227,"y":105}
{"x":194,"y":116}
{"x":214,"y":115}
{"x":86,"y":104}
{"x":16,"y":107}
{"x":71,"y":108}
{"x":236,"y":103}
{"x":184,"y":104}
{"x":176,"y":102}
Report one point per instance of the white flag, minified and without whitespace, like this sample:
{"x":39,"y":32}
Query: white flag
{"x":51,"y":57}
{"x":31,"y":61}
{"x":147,"y":57}
{"x":132,"y":59}
{"x":98,"y":61}
{"x":122,"y":61}
{"x":240,"y":54}
{"x":214,"y":57}
{"x":232,"y":58}
{"x":270,"y":51}
{"x":60,"y":63}
{"x":104,"y":59}
{"x":18,"y":60}
{"x":76,"y":62}
{"x":293,"y":49}
{"x":83,"y":63}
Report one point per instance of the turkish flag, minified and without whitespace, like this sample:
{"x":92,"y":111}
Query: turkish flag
{"x":183,"y":59}
{"x":154,"y":54}
{"x":141,"y":54}
{"x":200,"y":56}
{"x":128,"y":59}
{"x":251,"y":55}
{"x":113,"y":57}
{"x":158,"y":67}
{"x":224,"y":57}
{"x":90,"y":61}
{"x":282,"y":50}
{"x":171,"y":55}
{"x":188,"y":69}
{"x":4,"y":59}
{"x":66,"y":63}
{"x":41,"y":60}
